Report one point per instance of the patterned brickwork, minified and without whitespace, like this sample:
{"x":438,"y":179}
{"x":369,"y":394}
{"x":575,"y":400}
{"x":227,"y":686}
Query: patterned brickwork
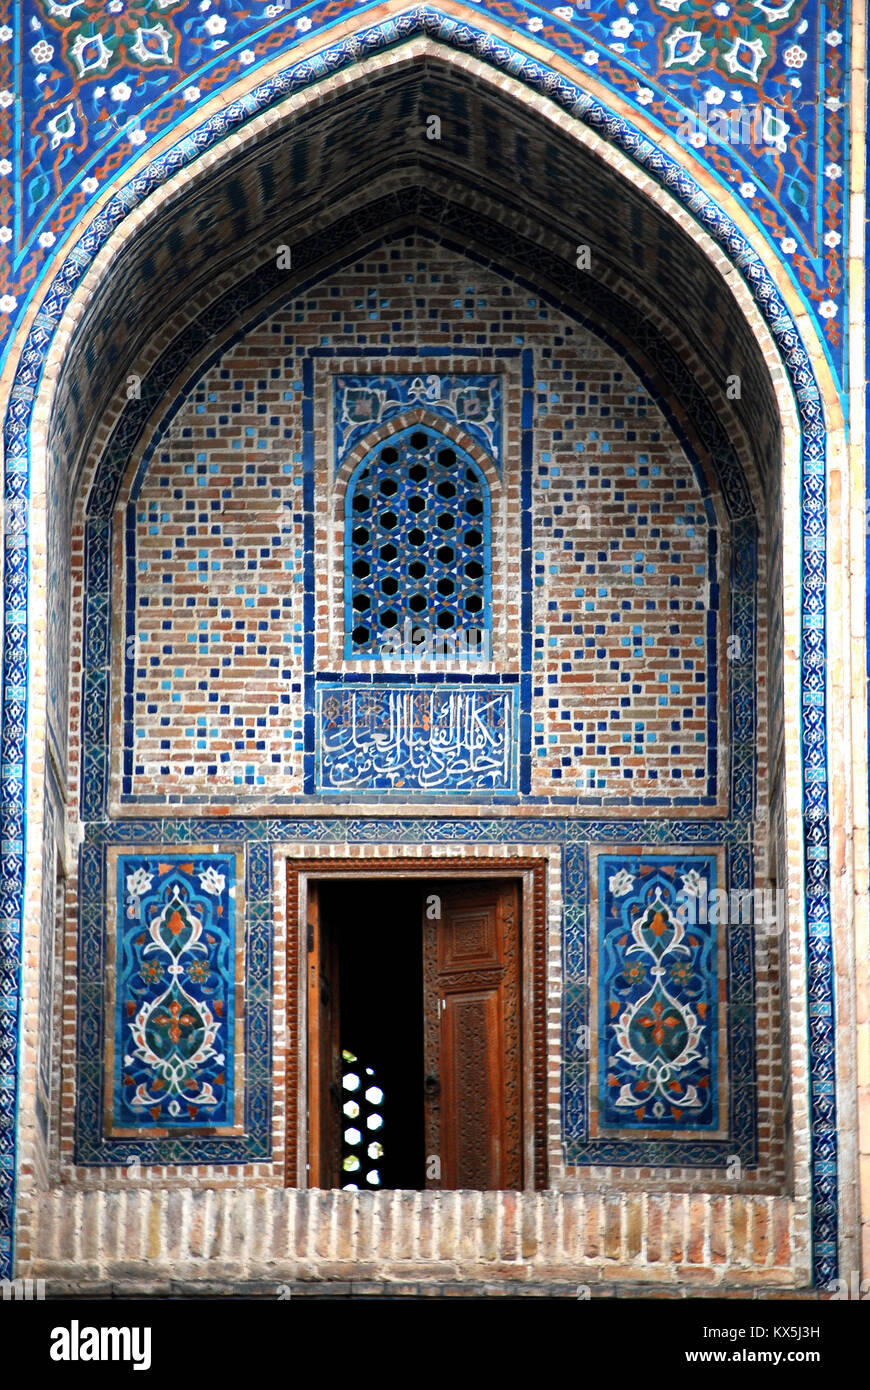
{"x":627,"y":612}
{"x":634,"y":245}
{"x":574,"y":428}
{"x":216,"y":613}
{"x":626,"y":624}
{"x":534,"y":389}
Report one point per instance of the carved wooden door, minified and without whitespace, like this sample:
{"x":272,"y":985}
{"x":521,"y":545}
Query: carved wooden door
{"x":472,"y":1036}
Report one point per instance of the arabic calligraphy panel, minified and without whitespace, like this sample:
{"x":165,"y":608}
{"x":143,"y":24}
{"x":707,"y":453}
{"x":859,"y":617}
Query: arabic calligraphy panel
{"x":414,"y":738}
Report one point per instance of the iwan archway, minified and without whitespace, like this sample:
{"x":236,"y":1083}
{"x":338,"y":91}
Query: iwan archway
{"x":261,"y":256}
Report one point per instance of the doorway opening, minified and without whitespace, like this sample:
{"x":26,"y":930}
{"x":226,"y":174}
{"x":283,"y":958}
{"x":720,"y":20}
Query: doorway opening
{"x":370,"y":999}
{"x":415,"y":1033}
{"x":339,"y":912}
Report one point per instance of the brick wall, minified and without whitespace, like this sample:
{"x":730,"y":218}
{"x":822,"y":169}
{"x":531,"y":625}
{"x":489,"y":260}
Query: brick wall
{"x":145,"y":1240}
{"x":623,"y":578}
{"x":621,"y":619}
{"x":622,"y":541}
{"x":218,"y":603}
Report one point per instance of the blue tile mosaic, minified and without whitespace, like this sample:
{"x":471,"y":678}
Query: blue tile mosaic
{"x":588,"y":1140}
{"x":472,"y":401}
{"x":193,"y":845}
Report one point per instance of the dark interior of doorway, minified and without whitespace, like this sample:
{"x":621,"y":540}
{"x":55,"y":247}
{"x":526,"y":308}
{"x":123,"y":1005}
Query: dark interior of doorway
{"x":377,"y":929}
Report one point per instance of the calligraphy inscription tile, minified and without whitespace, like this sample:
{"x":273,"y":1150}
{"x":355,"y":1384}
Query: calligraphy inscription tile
{"x":173,"y":1004}
{"x":659,"y":1055}
{"x":410,"y":738}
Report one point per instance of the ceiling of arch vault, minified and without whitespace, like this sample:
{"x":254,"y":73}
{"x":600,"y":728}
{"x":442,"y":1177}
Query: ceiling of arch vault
{"x":500,"y":182}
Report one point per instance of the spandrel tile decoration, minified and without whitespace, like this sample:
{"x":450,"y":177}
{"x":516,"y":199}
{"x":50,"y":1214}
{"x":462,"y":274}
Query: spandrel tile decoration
{"x":434,"y":669}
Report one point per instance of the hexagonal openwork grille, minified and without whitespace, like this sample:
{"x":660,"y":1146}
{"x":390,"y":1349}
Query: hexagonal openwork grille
{"x":362,"y":1149}
{"x":417,"y":550}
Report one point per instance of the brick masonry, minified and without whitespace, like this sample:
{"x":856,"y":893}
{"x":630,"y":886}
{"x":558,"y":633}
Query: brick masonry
{"x":677,"y":1243}
{"x":628,"y":564}
{"x":209,"y":592}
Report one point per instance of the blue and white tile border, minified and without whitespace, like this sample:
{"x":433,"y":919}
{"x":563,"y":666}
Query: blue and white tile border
{"x":637,"y":147}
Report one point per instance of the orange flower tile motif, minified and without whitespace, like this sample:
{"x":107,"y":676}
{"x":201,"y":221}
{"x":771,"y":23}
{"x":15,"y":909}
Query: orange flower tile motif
{"x":658,"y":985}
{"x":99,"y":38}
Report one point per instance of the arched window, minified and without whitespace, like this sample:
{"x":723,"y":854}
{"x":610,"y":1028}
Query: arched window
{"x":417,"y":550}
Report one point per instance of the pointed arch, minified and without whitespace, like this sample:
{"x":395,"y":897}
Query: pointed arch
{"x":49,"y":339}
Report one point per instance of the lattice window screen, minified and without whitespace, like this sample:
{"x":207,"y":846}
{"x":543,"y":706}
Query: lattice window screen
{"x":417,"y":550}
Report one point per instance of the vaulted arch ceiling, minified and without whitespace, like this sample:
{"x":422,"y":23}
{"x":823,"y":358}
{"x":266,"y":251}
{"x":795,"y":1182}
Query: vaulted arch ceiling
{"x":346,"y":170}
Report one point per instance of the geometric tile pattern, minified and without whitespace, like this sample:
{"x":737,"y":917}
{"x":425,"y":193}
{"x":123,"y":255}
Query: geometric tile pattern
{"x":660,"y":608}
{"x":813,"y":728}
{"x":48,"y":946}
{"x":220,"y":531}
{"x":582,"y":1147}
{"x":629,"y":538}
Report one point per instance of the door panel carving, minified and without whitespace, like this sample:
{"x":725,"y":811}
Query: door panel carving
{"x":472,"y":1036}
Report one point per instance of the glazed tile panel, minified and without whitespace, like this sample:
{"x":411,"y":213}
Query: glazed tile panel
{"x":658,"y":996}
{"x":406,"y":738}
{"x":174,"y":1007}
{"x":660,"y":1062}
{"x":473,"y":402}
{"x":175,"y":1034}
{"x":758,"y":93}
{"x":175,"y":1059}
